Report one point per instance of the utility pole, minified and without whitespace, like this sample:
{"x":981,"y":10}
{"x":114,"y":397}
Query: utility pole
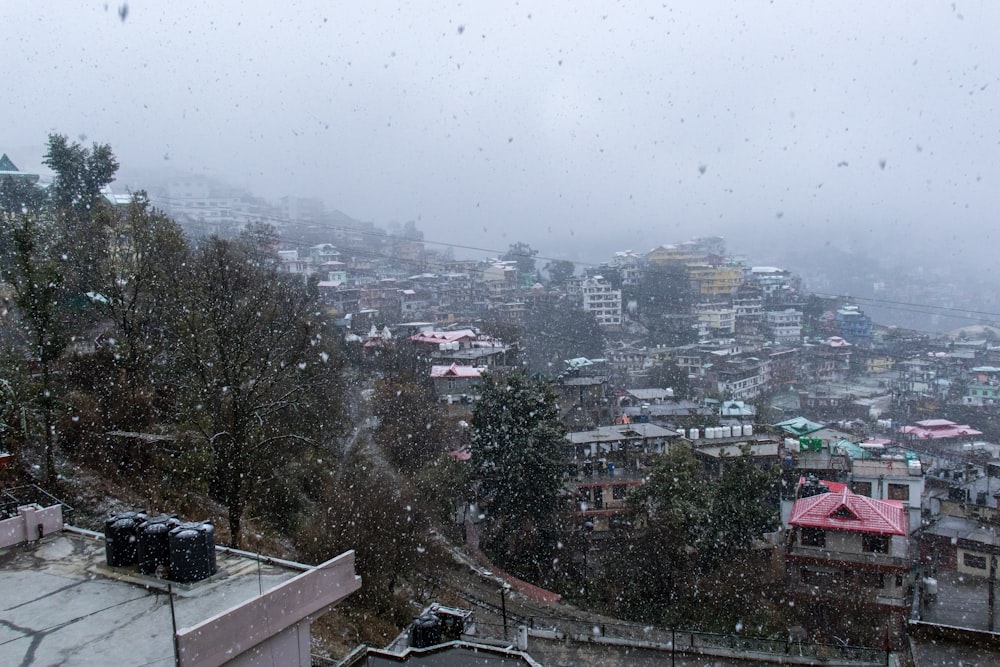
{"x":991,"y":582}
{"x":503,"y":606}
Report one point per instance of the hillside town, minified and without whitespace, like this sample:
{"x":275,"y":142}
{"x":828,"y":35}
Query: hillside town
{"x":849,"y":463}
{"x":885,"y":439}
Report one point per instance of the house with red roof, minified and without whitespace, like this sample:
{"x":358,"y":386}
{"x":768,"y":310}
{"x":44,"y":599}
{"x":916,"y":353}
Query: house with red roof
{"x":849,"y":547}
{"x":456,"y":384}
{"x":939,"y":429}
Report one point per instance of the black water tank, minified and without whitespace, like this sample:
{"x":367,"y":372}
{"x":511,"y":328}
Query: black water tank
{"x":154,"y":543}
{"x":425,"y":631}
{"x":121,"y":533}
{"x":192,"y":550}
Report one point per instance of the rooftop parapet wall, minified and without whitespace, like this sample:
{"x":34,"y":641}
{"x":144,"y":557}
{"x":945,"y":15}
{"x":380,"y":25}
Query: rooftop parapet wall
{"x":31,"y":523}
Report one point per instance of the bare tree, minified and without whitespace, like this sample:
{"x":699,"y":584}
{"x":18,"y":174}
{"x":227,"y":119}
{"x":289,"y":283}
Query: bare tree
{"x":256,"y":368}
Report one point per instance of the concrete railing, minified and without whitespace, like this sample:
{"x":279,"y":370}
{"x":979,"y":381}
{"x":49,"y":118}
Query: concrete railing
{"x":31,"y":523}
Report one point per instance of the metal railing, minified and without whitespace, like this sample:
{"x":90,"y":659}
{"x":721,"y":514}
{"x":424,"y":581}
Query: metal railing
{"x":14,"y":497}
{"x":668,"y":639}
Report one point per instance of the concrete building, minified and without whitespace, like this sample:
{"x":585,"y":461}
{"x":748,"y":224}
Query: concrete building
{"x":63,"y":604}
{"x":848,"y":547}
{"x":854,"y":326}
{"x":602,"y":301}
{"x":783,"y":326}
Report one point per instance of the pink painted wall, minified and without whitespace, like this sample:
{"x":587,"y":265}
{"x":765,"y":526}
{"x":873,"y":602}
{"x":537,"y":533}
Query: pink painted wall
{"x":24,"y":527}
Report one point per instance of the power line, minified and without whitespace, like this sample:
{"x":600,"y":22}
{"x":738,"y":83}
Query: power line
{"x":887,"y":304}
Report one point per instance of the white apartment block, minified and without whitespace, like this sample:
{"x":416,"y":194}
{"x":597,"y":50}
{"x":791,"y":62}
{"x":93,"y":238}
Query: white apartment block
{"x":602,"y":301}
{"x":784,"y":326}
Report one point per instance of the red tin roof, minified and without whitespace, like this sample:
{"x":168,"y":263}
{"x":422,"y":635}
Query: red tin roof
{"x":851,"y":512}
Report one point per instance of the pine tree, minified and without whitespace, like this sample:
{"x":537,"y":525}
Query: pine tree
{"x":516,"y":440}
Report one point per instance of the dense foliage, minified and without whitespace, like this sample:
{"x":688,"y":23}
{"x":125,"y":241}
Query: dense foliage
{"x":693,"y":546}
{"x":516,"y":439}
{"x":121,"y":326}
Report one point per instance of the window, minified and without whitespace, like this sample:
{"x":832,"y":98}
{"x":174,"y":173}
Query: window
{"x":974,"y":561}
{"x":899,"y":492}
{"x":875,"y":543}
{"x":618,"y":492}
{"x":862,"y":488}
{"x":813,"y":537}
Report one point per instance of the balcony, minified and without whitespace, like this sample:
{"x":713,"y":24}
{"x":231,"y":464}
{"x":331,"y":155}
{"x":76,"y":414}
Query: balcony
{"x":846,"y":559}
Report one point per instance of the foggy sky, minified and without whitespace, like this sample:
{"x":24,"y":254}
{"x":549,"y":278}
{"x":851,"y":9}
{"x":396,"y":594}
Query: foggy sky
{"x":577,"y":129}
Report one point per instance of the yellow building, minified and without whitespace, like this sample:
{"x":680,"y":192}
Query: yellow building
{"x":670,"y":254}
{"x":712,"y":281}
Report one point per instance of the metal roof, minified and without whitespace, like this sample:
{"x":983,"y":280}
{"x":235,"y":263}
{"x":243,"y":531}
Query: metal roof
{"x":850,"y":512}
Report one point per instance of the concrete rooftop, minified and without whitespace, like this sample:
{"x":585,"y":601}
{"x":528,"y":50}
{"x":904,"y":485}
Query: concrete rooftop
{"x":61,"y":605}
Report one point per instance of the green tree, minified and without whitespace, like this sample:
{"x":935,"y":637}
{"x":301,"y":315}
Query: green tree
{"x":379,"y":517}
{"x":524,"y":255}
{"x":75,"y":198}
{"x":658,"y":570}
{"x":256,"y":367}
{"x":20,"y":195}
{"x":664,"y":305}
{"x":37,"y":268}
{"x":80,"y":173}
{"x":668,"y":375}
{"x":134,"y":287}
{"x":560,"y":271}
{"x":411,"y":425}
{"x":516,"y":441}
{"x":558,"y":331}
{"x":744,"y":506}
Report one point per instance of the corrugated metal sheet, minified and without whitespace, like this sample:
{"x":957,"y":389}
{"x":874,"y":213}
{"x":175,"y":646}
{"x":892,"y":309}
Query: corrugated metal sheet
{"x":850,"y":512}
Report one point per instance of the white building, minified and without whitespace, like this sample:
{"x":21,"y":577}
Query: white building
{"x":603,"y":301}
{"x":784,"y":326}
{"x":717,"y":319}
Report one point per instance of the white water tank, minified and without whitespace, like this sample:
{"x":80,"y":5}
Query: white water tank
{"x":727,"y":432}
{"x":748,"y":429}
{"x":710,"y":432}
{"x":694,"y":434}
{"x":914,"y":468}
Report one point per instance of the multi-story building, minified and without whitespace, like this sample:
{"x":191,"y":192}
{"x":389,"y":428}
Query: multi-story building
{"x":717,"y":319}
{"x":741,"y":378}
{"x":886,"y":478}
{"x":672,"y":254}
{"x":981,"y":394}
{"x":500,"y":280}
{"x":784,"y":326}
{"x":629,"y":266}
{"x":772,"y":281}
{"x":714,"y":281}
{"x":609,"y":462}
{"x":602,"y":301}
{"x":854,"y":326}
{"x":851,"y":548}
{"x":827,"y":361}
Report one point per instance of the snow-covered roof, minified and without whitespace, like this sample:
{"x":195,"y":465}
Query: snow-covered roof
{"x":437,"y":337}
{"x":455,"y":371}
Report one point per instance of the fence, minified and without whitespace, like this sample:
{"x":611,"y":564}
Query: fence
{"x":683,"y":640}
{"x":11,"y":499}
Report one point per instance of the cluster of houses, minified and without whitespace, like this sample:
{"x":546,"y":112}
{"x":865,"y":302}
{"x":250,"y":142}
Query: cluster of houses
{"x":874,"y":509}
